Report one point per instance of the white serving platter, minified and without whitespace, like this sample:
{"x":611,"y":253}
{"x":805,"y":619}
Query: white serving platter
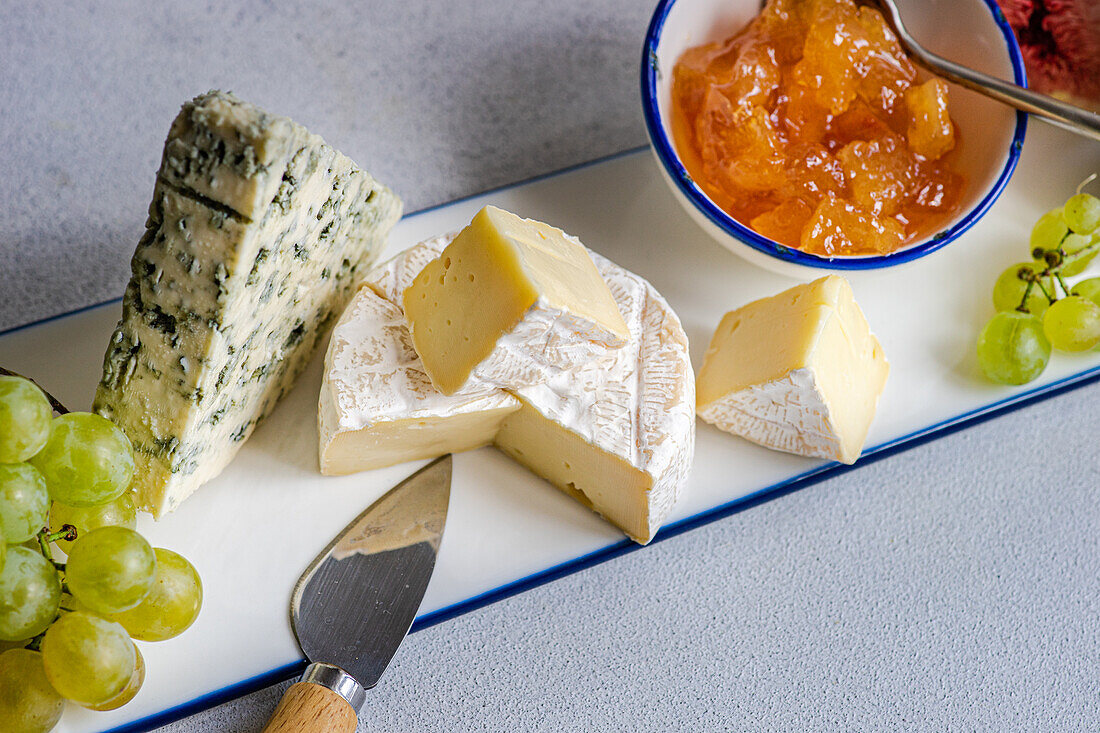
{"x":251,"y":531}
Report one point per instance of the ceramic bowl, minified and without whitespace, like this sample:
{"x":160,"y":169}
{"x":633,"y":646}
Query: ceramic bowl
{"x":971,"y":32}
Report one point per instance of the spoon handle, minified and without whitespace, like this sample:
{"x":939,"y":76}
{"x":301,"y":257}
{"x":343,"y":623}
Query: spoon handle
{"x":1062,"y":114}
{"x":1068,"y":116}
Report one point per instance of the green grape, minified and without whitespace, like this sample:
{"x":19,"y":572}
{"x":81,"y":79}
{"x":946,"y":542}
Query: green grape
{"x":25,"y":415}
{"x":1012,"y":348}
{"x":30,"y":591}
{"x":6,"y":645}
{"x":86,"y":461}
{"x":1049,"y":230}
{"x":28,"y":702}
{"x":110,"y":569}
{"x":1089,"y":288}
{"x":24,"y":502}
{"x":171,"y":606}
{"x":3,"y":551}
{"x":88,"y":659}
{"x":118,"y":513}
{"x":1008,"y":291}
{"x":1073,"y":324}
{"x":137,"y":679}
{"x":1082,"y":213}
{"x":1072,"y":244}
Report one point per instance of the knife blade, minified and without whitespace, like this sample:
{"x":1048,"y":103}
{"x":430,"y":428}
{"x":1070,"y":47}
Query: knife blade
{"x":355,"y":602}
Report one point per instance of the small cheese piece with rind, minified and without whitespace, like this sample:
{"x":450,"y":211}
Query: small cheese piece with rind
{"x":378,"y":407}
{"x":257,"y":236}
{"x":508,"y":300}
{"x":799,"y":372}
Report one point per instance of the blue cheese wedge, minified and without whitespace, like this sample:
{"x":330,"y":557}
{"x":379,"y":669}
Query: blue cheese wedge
{"x":258,"y":234}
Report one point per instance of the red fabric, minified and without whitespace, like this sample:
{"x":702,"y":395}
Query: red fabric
{"x":1060,"y":43}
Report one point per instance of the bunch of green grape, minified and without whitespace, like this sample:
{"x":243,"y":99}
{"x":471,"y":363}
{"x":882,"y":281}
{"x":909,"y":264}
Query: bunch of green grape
{"x":67,"y":629}
{"x":1037,"y":309}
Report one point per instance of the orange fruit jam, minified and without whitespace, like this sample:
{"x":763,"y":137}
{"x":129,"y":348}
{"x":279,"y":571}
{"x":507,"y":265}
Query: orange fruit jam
{"x":810,"y":127}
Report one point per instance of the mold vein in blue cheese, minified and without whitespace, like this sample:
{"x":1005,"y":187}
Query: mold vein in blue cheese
{"x":257,"y":236}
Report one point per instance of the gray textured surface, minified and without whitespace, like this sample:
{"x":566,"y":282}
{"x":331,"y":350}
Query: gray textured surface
{"x":953,"y":587}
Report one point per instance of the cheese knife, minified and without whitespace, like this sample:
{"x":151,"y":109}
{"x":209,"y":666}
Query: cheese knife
{"x":354,"y":604}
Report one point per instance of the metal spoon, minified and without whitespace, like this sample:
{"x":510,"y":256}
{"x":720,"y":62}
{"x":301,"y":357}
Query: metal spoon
{"x":1068,"y":116}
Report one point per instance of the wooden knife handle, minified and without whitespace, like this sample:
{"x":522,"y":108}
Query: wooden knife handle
{"x":310,"y":708}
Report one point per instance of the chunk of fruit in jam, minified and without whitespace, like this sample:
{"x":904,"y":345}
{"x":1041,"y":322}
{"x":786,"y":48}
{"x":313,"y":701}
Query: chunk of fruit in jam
{"x":879,"y":173}
{"x":886,"y":71}
{"x":936,"y":189}
{"x":841,"y":227}
{"x":827,"y":67}
{"x":812,"y":170}
{"x":807,"y":125}
{"x":848,"y":52}
{"x":860,"y":122}
{"x":741,"y":150}
{"x":783,"y":23}
{"x":785,"y":222}
{"x":800,"y":116}
{"x":930,"y":132}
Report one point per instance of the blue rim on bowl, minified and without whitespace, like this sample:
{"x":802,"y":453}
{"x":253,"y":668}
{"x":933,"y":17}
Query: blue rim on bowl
{"x":676,"y":171}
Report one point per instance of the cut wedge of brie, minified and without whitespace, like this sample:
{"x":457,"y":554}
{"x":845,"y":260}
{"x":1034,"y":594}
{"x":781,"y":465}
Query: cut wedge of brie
{"x":799,"y":372}
{"x":508,"y":300}
{"x":616,"y":433}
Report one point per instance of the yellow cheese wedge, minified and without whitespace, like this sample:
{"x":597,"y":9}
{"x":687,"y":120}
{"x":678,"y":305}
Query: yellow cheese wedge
{"x":799,"y":372}
{"x":506,"y":300}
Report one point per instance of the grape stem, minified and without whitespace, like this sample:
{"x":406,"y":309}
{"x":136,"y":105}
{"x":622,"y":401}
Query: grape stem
{"x":1022,"y":307}
{"x":1039,"y":282}
{"x":45,"y":537}
{"x":44,"y":543}
{"x":67,"y":533}
{"x":1065,"y":288}
{"x":1054,"y":272}
{"x":59,"y":408}
{"x":1078,"y":254}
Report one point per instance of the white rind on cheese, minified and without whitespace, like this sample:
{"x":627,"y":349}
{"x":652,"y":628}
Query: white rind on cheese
{"x":391,"y":277}
{"x":799,"y":372}
{"x":788,"y":414}
{"x":617,"y":433}
{"x":378,"y":407}
{"x":257,"y":235}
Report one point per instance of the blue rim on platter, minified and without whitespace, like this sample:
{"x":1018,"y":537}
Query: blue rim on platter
{"x":683,"y":181}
